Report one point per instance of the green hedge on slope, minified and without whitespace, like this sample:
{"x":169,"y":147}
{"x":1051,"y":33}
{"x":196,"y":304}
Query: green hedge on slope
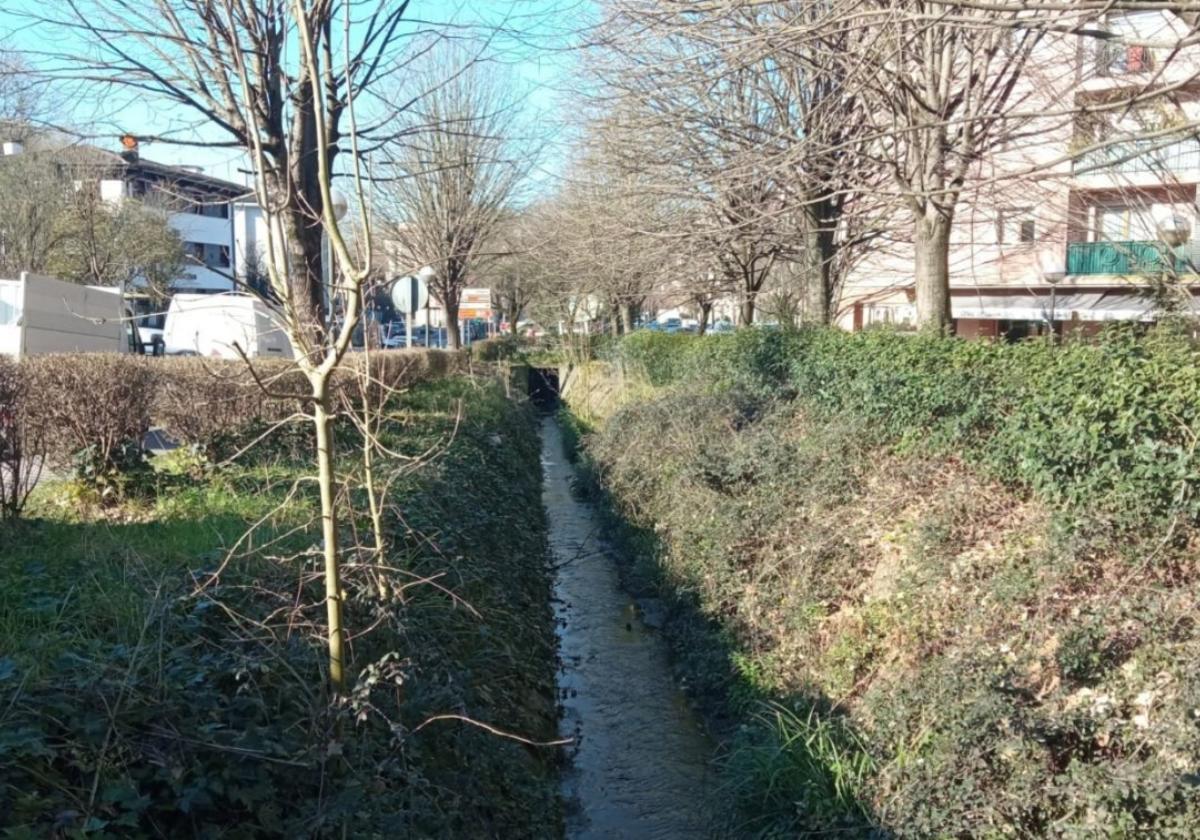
{"x":1109,"y":426}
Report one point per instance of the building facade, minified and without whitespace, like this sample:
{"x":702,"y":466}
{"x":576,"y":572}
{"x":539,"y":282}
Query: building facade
{"x":1086,"y":213}
{"x":207,"y":213}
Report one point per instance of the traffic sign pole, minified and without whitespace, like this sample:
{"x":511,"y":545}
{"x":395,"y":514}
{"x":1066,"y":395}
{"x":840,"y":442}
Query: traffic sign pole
{"x":408,"y":295}
{"x":411,"y":315}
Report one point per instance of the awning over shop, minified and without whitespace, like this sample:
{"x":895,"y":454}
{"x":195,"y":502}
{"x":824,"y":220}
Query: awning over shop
{"x":1080,"y":306}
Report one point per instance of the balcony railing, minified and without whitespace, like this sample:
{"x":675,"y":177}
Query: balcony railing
{"x":1126,"y":258}
{"x":1141,"y":156}
{"x":1113,"y":59}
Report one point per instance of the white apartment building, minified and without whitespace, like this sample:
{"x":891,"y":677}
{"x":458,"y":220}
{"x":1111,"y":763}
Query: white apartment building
{"x":206,"y":211}
{"x":1070,"y":224}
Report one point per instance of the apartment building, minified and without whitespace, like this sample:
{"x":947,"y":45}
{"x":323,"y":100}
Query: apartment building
{"x":1088,"y":214}
{"x":206,"y":211}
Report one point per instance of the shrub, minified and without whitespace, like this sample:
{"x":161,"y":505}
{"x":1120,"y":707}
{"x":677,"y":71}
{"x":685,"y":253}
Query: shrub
{"x":211,"y":403}
{"x":91,"y":412}
{"x":22,"y":442}
{"x":952,"y":659}
{"x":499,"y":348}
{"x":137,"y":704}
{"x":96,"y":410}
{"x":1108,"y":427}
{"x":221,"y":406}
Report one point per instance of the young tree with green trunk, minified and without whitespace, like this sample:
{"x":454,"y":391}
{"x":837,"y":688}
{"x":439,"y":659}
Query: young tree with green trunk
{"x":283,"y":81}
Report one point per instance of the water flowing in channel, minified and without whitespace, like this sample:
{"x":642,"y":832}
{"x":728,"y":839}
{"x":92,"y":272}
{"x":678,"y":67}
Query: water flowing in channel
{"x":641,"y":764}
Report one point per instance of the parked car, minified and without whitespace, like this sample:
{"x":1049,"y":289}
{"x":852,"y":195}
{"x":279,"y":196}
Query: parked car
{"x":424,"y":336}
{"x":722,"y":326}
{"x":393,"y":335}
{"x":530,"y":329}
{"x":221,"y":325}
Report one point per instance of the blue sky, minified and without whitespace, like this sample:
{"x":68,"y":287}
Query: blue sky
{"x":532,"y":44}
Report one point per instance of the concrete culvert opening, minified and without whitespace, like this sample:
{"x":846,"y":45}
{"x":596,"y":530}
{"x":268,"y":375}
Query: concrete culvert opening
{"x":543,"y":388}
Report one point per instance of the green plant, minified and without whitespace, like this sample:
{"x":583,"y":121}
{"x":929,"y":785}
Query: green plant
{"x":801,"y":771}
{"x":156,"y":684}
{"x":978,"y":558}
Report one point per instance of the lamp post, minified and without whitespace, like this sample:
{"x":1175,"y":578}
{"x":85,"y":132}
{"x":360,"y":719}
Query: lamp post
{"x":1053,"y":275}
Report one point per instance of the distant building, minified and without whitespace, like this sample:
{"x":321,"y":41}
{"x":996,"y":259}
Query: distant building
{"x":206,"y":211}
{"x":1068,"y":225}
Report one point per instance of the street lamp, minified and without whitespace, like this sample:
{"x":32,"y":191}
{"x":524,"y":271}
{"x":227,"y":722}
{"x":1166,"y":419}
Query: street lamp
{"x":1053,"y":273}
{"x":338,"y":203}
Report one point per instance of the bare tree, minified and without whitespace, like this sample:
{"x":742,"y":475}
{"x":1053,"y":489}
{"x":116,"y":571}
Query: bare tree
{"x":35,"y":200}
{"x":452,"y":174}
{"x":53,"y":220}
{"x":280,"y":80}
{"x":937,"y":88}
{"x":127,"y":244}
{"x":614,"y":224}
{"x":516,"y":273}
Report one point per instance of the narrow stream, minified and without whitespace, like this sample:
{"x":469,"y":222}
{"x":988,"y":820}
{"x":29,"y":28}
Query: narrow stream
{"x":640,"y":765}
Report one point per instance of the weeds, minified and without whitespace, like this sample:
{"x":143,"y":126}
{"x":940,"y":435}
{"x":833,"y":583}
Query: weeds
{"x":159,"y":670}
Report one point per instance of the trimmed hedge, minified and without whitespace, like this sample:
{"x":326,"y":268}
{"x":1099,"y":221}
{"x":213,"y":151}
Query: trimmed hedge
{"x":1109,"y":427}
{"x":92,"y":411}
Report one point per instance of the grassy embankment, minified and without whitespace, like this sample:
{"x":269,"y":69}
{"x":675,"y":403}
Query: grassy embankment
{"x":927,"y":588}
{"x":161,"y":671}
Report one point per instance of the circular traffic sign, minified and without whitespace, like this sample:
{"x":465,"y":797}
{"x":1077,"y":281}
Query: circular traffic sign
{"x":409,"y":293}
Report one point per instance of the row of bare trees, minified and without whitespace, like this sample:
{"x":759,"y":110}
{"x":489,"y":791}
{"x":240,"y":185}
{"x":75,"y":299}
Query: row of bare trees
{"x":726,"y":147}
{"x":775,"y":144}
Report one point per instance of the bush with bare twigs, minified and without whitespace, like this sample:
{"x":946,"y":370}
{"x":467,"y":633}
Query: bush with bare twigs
{"x":22,"y":441}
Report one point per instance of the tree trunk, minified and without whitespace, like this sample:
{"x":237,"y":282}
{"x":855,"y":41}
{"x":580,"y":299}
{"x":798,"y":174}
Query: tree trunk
{"x":301,"y":250}
{"x":329,"y":531}
{"x":627,"y":318}
{"x":453,"y":333}
{"x":817,"y":259}
{"x":748,"y":309}
{"x":932,"y":241}
{"x":705,"y":314}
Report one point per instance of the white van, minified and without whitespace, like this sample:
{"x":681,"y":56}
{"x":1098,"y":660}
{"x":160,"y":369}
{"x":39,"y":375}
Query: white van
{"x":44,"y":315}
{"x":217,"y":325}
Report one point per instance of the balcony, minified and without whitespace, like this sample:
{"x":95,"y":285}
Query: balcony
{"x":1126,"y":258}
{"x":1116,"y":59}
{"x":1141,"y":156}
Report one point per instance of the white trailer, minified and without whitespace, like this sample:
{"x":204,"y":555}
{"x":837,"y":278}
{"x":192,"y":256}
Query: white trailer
{"x":44,"y":315}
{"x":221,"y":325}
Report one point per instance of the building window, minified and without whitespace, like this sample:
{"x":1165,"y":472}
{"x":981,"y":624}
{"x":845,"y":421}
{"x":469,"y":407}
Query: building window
{"x":206,"y":253}
{"x":213,"y":208}
{"x":1121,"y":223}
{"x":216,"y":256}
{"x":1016,"y":226}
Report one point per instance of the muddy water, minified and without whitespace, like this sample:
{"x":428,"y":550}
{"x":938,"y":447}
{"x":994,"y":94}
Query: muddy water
{"x":640,"y":766}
